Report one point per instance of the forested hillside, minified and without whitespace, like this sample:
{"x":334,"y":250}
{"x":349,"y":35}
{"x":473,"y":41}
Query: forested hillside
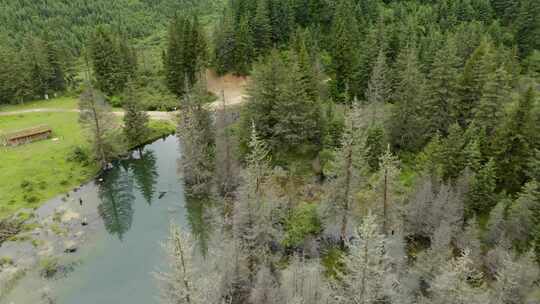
{"x":386,"y":151}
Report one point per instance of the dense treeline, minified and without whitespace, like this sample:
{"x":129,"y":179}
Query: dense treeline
{"x":44,"y":40}
{"x":390,"y":155}
{"x":71,"y":22}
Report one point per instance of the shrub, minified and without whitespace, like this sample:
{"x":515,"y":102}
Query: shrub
{"x":302,"y":222}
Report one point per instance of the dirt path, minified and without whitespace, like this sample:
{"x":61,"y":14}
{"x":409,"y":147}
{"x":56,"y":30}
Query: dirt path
{"x":157,"y":115}
{"x":233,"y":87}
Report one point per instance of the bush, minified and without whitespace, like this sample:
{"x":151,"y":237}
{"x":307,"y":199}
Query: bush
{"x":302,"y":222}
{"x":80,"y":155}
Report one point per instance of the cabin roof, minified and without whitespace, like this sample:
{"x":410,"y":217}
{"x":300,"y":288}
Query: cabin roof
{"x":37,"y":130}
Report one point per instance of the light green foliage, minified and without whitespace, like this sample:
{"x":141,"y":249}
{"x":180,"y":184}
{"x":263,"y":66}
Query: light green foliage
{"x":302,"y":222}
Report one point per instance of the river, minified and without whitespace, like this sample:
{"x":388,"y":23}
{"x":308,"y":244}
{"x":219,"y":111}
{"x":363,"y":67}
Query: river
{"x":135,"y":203}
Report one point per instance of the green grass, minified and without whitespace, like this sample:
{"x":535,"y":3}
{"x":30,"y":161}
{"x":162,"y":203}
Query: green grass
{"x":33,"y":173}
{"x":66,"y":103}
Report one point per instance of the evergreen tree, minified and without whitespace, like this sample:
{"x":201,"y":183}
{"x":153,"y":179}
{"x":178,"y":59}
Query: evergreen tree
{"x":481,"y":197}
{"x":528,"y":27}
{"x":378,"y":91}
{"x":443,"y":89}
{"x":109,"y":61}
{"x":173,"y":58}
{"x":135,"y":119}
{"x":346,"y":175}
{"x":472,"y":82}
{"x":186,"y":54}
{"x":375,"y":146}
{"x":453,"y":156}
{"x":524,"y":217}
{"x":512,"y":144}
{"x":225,"y":43}
{"x":367,"y":265}
{"x":281,"y":108}
{"x":96,"y":117}
{"x":244,"y":51}
{"x":406,"y":129}
{"x":261,"y":28}
{"x":496,"y":93}
{"x":344,"y":49}
{"x":197,"y":135}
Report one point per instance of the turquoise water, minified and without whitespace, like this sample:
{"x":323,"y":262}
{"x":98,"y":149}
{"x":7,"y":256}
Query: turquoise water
{"x":136,"y":202}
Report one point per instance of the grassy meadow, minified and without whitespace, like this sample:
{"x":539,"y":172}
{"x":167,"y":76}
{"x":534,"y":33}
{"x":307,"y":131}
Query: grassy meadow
{"x":33,"y":173}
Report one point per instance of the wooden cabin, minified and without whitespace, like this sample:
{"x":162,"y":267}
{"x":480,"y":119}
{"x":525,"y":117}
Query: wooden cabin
{"x":26,"y":136}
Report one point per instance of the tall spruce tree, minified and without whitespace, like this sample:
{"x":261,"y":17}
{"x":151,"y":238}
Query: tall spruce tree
{"x":97,"y":118}
{"x":442,"y":89}
{"x":135,"y":119}
{"x":472,"y":82}
{"x":261,"y":28}
{"x":111,"y":67}
{"x":496,"y":93}
{"x":528,"y":27}
{"x":344,"y":66}
{"x":186,"y":54}
{"x":512,"y":145}
{"x":406,"y":129}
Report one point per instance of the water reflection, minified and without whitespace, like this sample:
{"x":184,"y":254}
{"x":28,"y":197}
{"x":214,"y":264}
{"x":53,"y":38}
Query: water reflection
{"x":116,"y":195}
{"x":200,"y":219}
{"x":145,"y":174}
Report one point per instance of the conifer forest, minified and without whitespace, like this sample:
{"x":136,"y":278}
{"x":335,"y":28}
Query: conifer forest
{"x":380,"y":151}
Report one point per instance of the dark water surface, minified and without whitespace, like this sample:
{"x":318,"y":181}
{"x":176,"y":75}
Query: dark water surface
{"x":136,"y":202}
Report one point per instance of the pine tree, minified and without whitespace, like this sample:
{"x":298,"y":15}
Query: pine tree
{"x":407,"y":130}
{"x":344,"y":52}
{"x":186,"y":54}
{"x":367,"y":265}
{"x":453,"y":156}
{"x":496,"y":93}
{"x":524,"y":217}
{"x":472,"y":82}
{"x":375,"y":146}
{"x":187,"y":281}
{"x":515,"y":280}
{"x":280,"y":105}
{"x":244,"y":50}
{"x":195,"y":130}
{"x":379,"y":89}
{"x":261,"y":28}
{"x":346,"y":171}
{"x":443,"y":89}
{"x":225,"y":43}
{"x":303,"y":282}
{"x":253,"y":219}
{"x":107,"y":61}
{"x":528,"y":27}
{"x":135,"y":119}
{"x":96,"y":117}
{"x":455,"y":283}
{"x":481,"y":197}
{"x":387,"y":188}
{"x":512,"y":144}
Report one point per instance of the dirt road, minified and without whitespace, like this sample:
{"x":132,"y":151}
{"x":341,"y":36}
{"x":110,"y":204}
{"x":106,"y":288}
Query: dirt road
{"x":233,"y":87}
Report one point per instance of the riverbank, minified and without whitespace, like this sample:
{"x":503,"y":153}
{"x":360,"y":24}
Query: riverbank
{"x":67,"y":245}
{"x":33,"y":173}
